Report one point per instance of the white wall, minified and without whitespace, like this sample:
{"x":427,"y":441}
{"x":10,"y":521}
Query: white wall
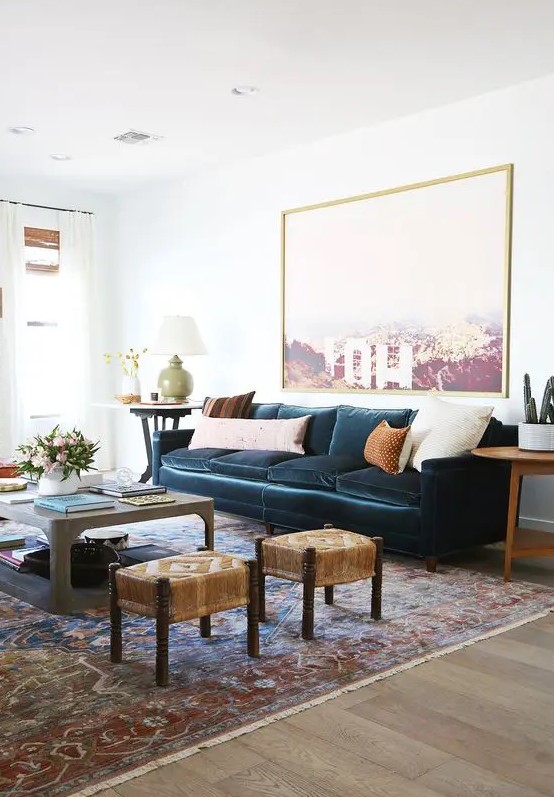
{"x":60,"y":195}
{"x":210,"y":245}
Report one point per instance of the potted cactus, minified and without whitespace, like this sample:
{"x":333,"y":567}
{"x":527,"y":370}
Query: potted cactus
{"x":537,"y":432}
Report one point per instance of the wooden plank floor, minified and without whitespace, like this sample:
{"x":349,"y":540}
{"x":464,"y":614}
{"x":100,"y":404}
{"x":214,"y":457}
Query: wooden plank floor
{"x":475,"y":723}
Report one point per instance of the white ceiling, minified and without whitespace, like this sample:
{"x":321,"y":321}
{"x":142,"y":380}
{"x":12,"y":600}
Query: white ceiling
{"x":82,"y":72}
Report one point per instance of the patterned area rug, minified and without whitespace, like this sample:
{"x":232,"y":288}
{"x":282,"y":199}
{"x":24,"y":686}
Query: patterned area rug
{"x":71,"y":722}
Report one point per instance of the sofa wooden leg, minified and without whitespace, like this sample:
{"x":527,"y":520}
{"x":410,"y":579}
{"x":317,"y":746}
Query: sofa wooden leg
{"x":431,"y":564}
{"x":261,"y":577}
{"x":329,"y":595}
{"x":308,"y":581}
{"x":269,"y":528}
{"x":377,"y":580}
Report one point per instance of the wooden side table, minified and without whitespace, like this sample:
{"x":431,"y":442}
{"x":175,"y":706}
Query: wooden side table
{"x":520,"y":542}
{"x":155,"y":411}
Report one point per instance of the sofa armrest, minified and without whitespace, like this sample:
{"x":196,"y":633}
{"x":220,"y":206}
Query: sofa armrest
{"x":464,"y":502}
{"x":165,"y":441}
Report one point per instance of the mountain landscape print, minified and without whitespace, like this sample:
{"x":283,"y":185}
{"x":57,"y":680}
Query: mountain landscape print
{"x":402,"y":290}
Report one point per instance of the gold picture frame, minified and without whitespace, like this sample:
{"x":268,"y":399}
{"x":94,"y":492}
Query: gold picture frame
{"x":475,"y":209}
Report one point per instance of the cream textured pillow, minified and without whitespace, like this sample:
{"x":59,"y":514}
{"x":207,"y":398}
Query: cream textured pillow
{"x":286,"y":434}
{"x":442,"y":429}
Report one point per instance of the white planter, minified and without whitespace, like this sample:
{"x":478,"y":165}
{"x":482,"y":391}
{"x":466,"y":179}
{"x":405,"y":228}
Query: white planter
{"x":536,"y":436}
{"x":130,"y":386}
{"x":55,"y":484}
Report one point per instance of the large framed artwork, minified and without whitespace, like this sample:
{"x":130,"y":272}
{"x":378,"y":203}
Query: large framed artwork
{"x":404,"y":290}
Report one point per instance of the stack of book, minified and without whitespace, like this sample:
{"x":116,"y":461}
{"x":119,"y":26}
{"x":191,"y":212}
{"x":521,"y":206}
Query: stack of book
{"x":80,"y":502}
{"x":11,"y":541}
{"x":13,"y":556}
{"x":137,"y":488}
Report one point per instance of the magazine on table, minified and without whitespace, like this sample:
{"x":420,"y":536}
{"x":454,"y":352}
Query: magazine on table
{"x":117,"y":491}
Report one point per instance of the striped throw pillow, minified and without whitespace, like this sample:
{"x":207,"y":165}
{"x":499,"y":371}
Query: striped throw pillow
{"x":228,"y":406}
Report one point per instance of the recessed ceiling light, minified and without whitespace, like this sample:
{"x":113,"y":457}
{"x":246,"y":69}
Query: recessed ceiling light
{"x":244,"y":91}
{"x":60,"y":156}
{"x":21,"y":131}
{"x":136,"y":137}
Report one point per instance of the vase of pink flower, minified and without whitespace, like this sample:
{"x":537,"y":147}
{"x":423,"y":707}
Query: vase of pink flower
{"x":57,"y":460}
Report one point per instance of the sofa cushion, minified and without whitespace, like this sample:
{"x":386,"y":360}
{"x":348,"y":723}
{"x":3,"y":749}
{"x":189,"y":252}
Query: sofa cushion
{"x":388,"y":448}
{"x":249,"y":464}
{"x":196,"y":459}
{"x":320,"y":427}
{"x":266,"y":412}
{"x":355,"y":424}
{"x":443,"y":429}
{"x":228,"y":406}
{"x":251,"y":434}
{"x":374,"y":484}
{"x":319,"y":472}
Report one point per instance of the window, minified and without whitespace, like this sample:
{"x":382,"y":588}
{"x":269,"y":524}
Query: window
{"x":43,"y":367}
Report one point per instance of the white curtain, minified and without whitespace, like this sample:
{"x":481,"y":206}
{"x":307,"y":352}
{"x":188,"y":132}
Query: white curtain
{"x":12,"y":328}
{"x":81,"y":323}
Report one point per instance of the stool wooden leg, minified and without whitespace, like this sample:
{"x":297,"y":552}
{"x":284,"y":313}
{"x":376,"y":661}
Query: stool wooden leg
{"x":377,"y":580}
{"x":261,"y":577}
{"x":115,"y":617}
{"x":253,"y":631}
{"x":162,"y":631}
{"x":308,"y":581}
{"x":206,"y":627}
{"x":329,"y":597}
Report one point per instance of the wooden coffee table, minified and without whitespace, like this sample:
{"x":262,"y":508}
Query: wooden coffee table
{"x":57,"y":595}
{"x":521,"y":542}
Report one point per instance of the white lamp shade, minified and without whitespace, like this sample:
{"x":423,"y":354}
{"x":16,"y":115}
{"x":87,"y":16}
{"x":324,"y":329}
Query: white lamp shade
{"x":178,"y":334}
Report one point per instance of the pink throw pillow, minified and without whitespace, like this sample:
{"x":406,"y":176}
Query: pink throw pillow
{"x":285,"y":434}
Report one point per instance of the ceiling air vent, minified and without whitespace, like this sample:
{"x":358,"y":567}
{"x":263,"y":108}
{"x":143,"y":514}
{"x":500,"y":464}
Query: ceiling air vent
{"x":136,"y":137}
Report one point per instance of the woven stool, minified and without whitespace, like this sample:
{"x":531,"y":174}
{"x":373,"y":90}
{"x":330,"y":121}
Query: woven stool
{"x":184,"y":587}
{"x":321,"y":558}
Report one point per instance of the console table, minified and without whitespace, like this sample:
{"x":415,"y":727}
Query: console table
{"x":522,"y":542}
{"x":155,"y":411}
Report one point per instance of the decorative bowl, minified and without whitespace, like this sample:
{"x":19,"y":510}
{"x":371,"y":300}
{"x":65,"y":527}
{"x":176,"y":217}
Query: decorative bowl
{"x":118,"y":540}
{"x":128,"y":398}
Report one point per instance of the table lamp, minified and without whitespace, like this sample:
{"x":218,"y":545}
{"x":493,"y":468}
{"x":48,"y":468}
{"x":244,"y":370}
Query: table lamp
{"x":178,"y":334}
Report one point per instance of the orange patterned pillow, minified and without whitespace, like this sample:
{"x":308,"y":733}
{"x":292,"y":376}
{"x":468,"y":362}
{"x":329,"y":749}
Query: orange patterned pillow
{"x":388,"y":448}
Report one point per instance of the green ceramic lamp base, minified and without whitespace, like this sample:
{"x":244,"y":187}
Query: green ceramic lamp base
{"x":174,"y":382}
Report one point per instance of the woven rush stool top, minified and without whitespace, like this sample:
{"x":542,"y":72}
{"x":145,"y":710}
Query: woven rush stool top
{"x":341,"y":556}
{"x":200,"y":583}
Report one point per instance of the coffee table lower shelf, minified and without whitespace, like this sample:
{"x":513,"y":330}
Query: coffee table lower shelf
{"x":35,"y":590}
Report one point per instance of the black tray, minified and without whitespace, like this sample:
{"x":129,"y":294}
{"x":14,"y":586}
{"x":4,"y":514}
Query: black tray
{"x":144,"y":553}
{"x":89,"y":563}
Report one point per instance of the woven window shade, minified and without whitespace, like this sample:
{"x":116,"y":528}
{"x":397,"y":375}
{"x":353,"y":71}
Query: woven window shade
{"x":42,"y":239}
{"x":46,"y":239}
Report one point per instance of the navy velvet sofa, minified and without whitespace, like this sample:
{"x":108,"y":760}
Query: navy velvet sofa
{"x":454,"y":503}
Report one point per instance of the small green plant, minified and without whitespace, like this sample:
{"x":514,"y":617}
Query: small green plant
{"x":68,"y":452}
{"x":129,"y":361}
{"x":546,"y":414}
